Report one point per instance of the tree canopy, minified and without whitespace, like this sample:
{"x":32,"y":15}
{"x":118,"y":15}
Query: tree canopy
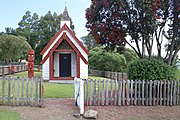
{"x":13,"y":48}
{"x":143,"y":21}
{"x":39,"y":30}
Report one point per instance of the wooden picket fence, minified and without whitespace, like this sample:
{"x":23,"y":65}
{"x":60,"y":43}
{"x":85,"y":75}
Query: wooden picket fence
{"x":108,"y":74}
{"x":21,"y":91}
{"x":10,"y":69}
{"x":131,"y":92}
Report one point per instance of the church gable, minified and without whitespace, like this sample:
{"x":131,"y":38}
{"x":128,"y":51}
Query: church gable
{"x":64,"y":45}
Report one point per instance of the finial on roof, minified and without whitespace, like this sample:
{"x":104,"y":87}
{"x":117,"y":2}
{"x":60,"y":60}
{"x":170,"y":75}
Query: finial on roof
{"x":65,"y":16}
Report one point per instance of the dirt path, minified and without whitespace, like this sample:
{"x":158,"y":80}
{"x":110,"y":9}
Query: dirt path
{"x":63,"y":109}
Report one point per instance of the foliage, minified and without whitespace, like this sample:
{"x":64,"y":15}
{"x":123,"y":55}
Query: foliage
{"x":130,"y":55}
{"x":110,"y":21}
{"x":9,"y":115}
{"x":143,"y":21}
{"x":13,"y":48}
{"x":105,"y":22}
{"x":89,"y":41}
{"x":107,"y":61}
{"x":151,"y":69}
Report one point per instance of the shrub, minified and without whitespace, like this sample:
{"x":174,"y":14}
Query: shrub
{"x":107,"y":61}
{"x":151,"y":69}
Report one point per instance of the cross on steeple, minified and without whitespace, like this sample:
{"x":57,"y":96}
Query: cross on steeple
{"x":65,"y":16}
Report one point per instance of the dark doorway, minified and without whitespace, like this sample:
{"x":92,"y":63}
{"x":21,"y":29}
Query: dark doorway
{"x":65,"y":65}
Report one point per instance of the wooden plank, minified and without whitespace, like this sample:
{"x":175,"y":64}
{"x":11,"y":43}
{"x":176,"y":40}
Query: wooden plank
{"x":146,"y":99}
{"x":174,"y":93}
{"x":13,"y":91}
{"x":154,"y":92}
{"x":158,"y":91}
{"x":115,"y":93}
{"x":123,"y":92}
{"x":171,"y":93}
{"x":22,"y":91}
{"x":135,"y":93}
{"x":164,"y":93}
{"x":143,"y":92}
{"x":18,"y":91}
{"x":41,"y":92}
{"x":111,"y":95}
{"x":27,"y":95}
{"x":150,"y":93}
{"x":31,"y":92}
{"x":139,"y":92}
{"x":9,"y":90}
{"x":3,"y":90}
{"x":37,"y":91}
{"x":87,"y":93}
{"x":132,"y":92}
{"x":160,"y":102}
{"x":94,"y":96}
{"x":178,"y":93}
{"x":103,"y":94}
{"x":107,"y":93}
{"x":119,"y":91}
{"x":168,"y":91}
{"x":99,"y":93}
{"x":127,"y":92}
{"x":90,"y":93}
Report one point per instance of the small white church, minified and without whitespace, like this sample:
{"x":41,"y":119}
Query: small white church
{"x":64,"y":57}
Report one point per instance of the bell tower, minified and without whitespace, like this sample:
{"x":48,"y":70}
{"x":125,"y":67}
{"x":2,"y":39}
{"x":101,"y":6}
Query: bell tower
{"x":65,"y":18}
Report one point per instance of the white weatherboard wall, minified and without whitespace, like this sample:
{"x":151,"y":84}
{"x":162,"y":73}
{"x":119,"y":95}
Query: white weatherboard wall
{"x":83,"y":70}
{"x":56,"y":64}
{"x":77,"y":45}
{"x":45,"y":68}
{"x":73,"y":64}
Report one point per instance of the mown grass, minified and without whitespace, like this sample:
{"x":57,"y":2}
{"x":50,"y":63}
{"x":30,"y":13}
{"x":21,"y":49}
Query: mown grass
{"x":9,"y":115}
{"x":25,"y":74}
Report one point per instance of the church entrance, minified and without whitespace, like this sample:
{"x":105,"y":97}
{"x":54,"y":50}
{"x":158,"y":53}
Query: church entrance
{"x":65,"y":65}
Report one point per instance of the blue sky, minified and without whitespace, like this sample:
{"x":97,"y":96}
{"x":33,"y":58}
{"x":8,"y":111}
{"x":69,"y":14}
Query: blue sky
{"x":12,"y":11}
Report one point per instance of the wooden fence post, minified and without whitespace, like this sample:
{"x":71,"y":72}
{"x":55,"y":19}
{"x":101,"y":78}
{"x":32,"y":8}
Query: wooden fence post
{"x":103,"y":90}
{"x":9,"y":90}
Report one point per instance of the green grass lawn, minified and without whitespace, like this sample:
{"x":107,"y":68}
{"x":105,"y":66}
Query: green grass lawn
{"x":9,"y":115}
{"x":25,"y":74}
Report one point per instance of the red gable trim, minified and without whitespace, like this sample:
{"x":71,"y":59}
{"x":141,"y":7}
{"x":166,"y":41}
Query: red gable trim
{"x":63,"y":37}
{"x":65,"y":27}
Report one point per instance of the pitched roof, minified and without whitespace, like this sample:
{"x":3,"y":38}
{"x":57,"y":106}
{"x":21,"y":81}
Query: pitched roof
{"x":65,"y":27}
{"x":62,"y":38}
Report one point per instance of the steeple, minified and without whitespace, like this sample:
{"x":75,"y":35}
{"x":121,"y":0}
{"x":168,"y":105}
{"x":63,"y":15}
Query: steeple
{"x":65,"y":18}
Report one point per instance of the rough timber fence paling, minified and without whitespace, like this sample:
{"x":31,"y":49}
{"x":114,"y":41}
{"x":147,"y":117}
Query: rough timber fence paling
{"x":21,"y":91}
{"x":108,"y":74}
{"x":132,"y":92}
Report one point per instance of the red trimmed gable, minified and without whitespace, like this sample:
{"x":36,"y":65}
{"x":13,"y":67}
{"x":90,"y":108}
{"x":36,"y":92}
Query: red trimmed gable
{"x":65,"y":27}
{"x":63,"y":37}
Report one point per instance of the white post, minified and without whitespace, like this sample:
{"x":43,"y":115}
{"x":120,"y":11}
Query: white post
{"x":79,"y":94}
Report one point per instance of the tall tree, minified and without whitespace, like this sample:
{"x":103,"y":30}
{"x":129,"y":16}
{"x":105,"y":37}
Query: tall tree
{"x":143,"y":21}
{"x":173,"y":32}
{"x":110,"y":21}
{"x":28,"y":27}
